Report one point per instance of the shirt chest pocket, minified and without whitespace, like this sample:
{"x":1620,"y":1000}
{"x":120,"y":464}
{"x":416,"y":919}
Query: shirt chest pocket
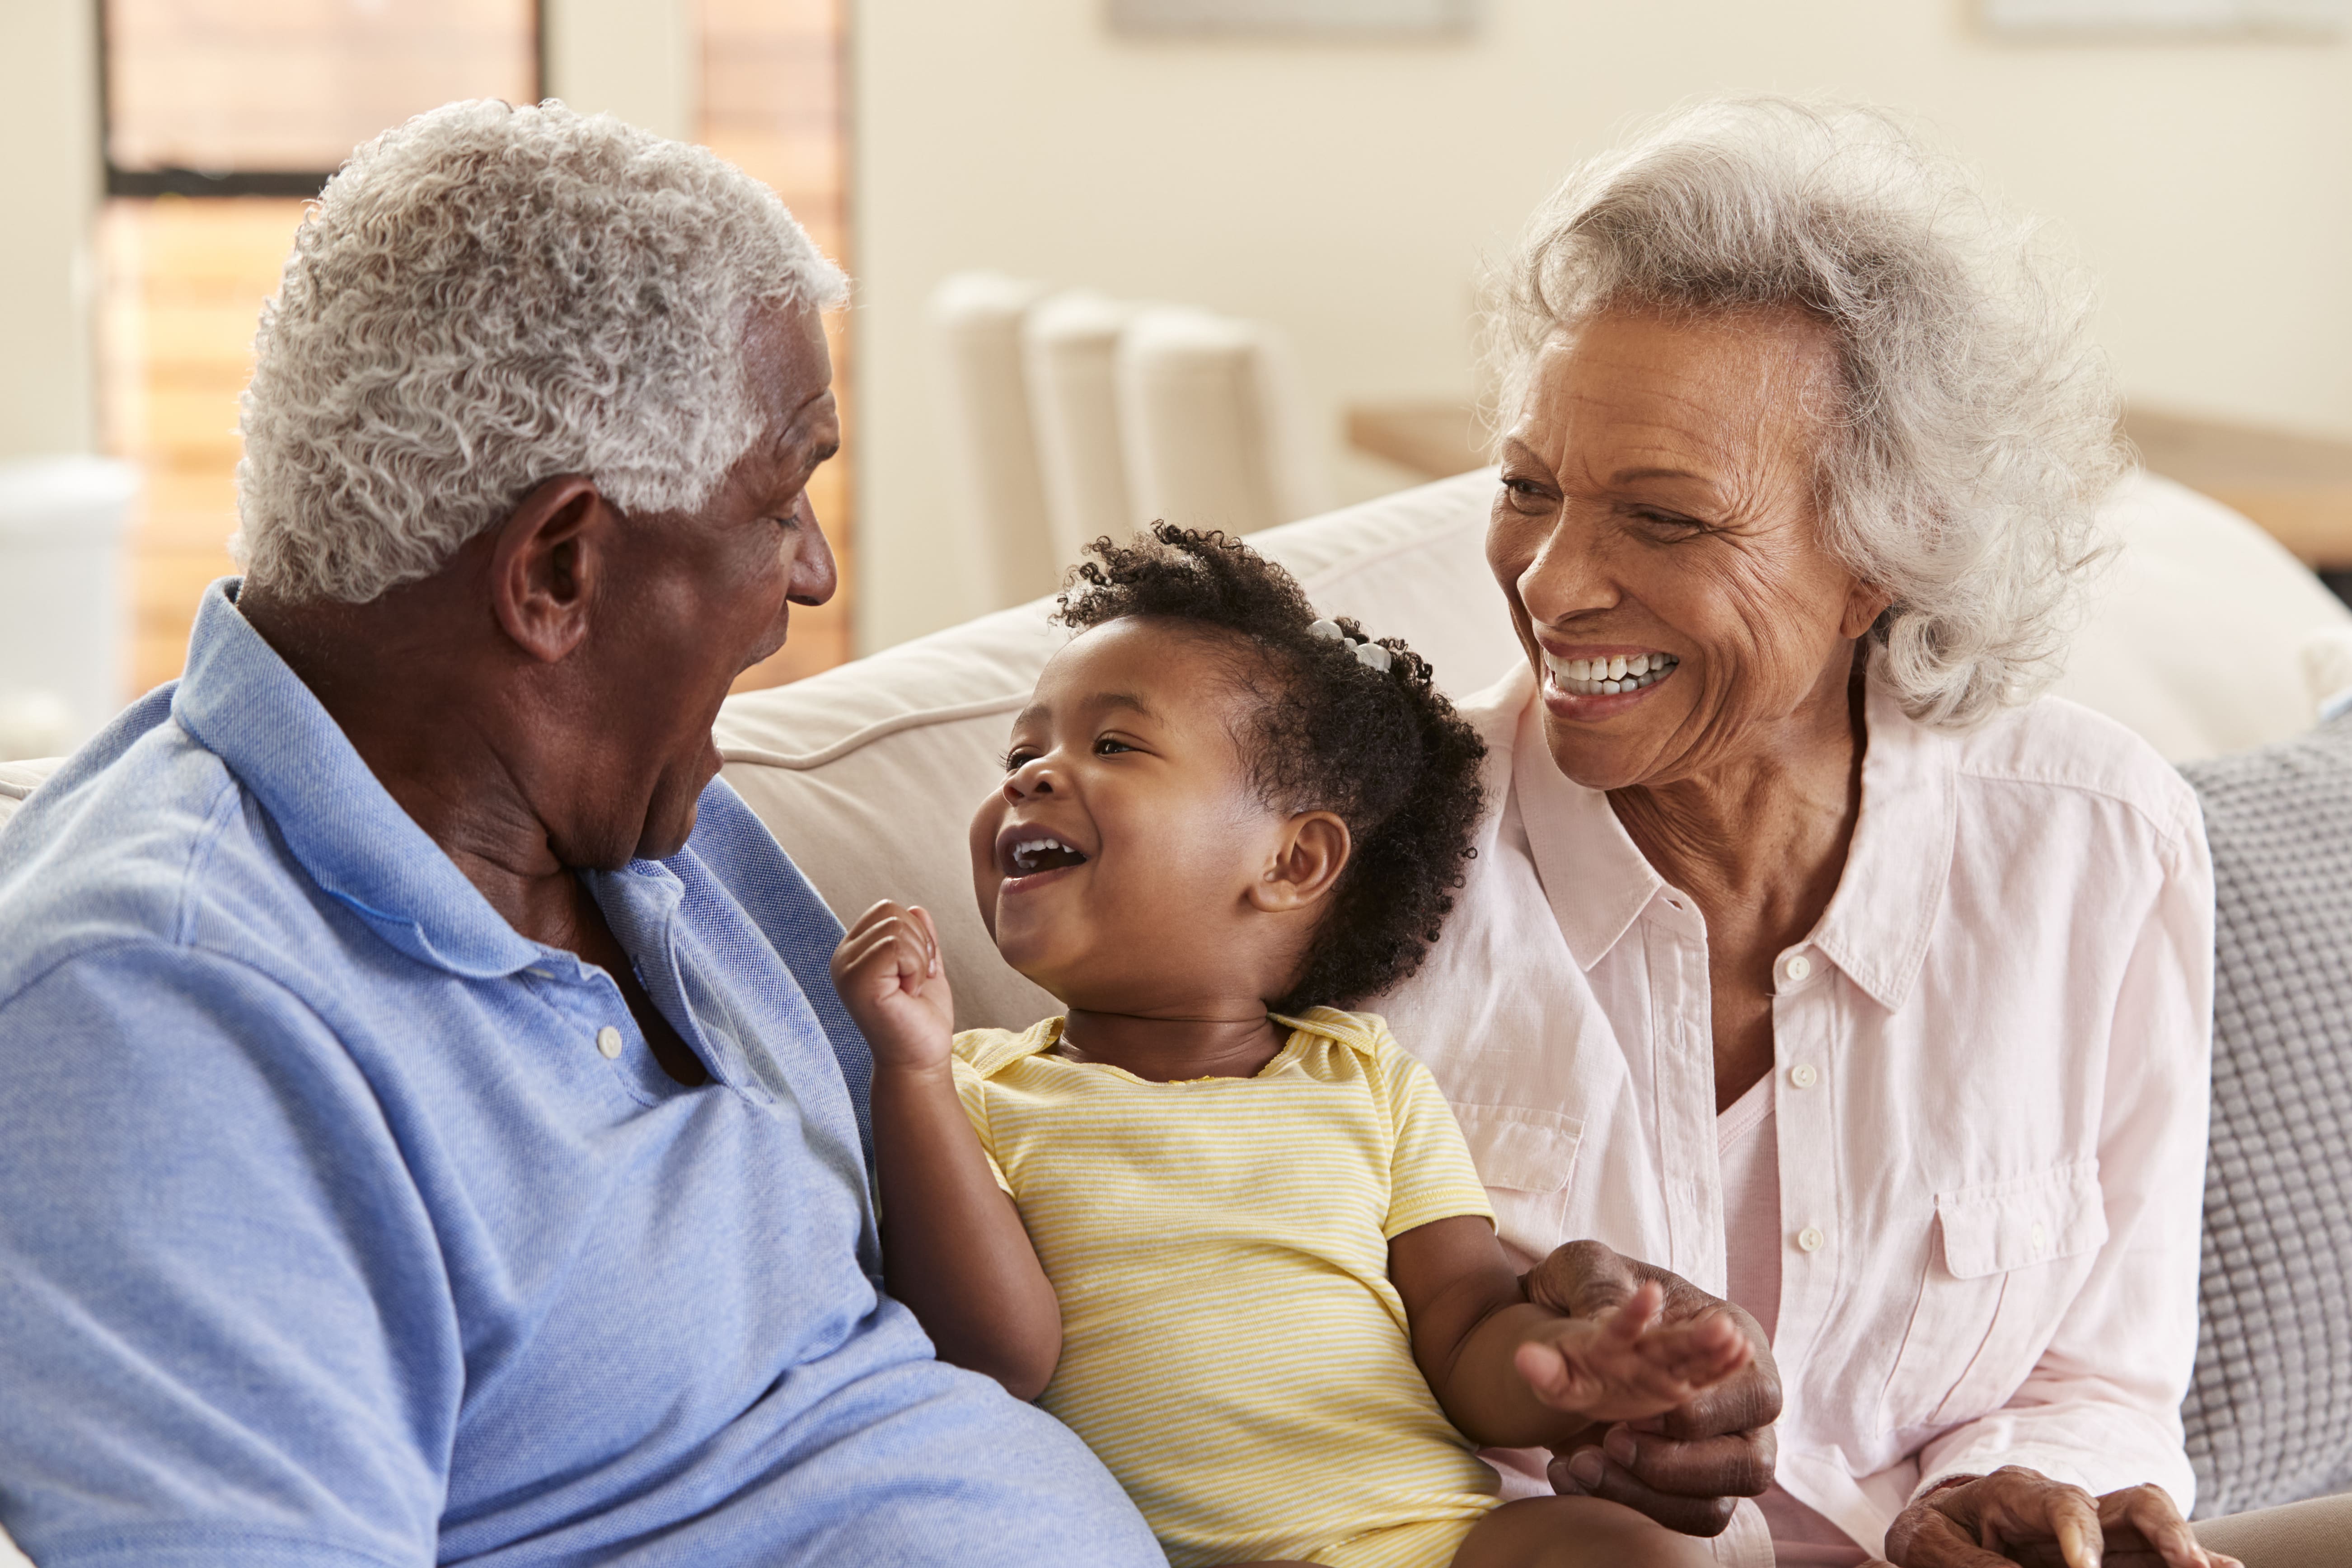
{"x":2006,"y":1259}
{"x":1525,"y":1156}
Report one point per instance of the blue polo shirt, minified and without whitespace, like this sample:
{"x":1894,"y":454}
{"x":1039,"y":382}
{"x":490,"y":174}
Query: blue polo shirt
{"x":339,"y":1224}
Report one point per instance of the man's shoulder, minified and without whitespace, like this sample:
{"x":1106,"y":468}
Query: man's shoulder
{"x":155,"y":845}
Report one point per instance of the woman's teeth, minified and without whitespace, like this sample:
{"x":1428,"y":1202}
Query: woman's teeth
{"x":1607,"y":676}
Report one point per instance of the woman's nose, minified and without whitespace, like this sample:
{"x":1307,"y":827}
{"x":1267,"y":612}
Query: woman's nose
{"x":1567,"y":576}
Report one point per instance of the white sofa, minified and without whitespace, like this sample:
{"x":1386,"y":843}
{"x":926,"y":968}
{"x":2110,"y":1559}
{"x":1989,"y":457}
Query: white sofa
{"x":867,"y":774}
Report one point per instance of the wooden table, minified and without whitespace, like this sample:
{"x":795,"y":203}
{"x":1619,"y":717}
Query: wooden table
{"x":2298,"y":488}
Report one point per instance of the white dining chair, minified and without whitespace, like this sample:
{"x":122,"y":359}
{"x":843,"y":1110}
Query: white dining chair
{"x":1070,"y":347}
{"x":1215,"y":432}
{"x":992,"y":438}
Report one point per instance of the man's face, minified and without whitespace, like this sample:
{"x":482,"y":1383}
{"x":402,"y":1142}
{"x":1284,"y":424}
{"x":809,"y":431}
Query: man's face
{"x":694,"y":599}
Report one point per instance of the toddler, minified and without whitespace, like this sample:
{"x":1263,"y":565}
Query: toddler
{"x":1229,"y":1233}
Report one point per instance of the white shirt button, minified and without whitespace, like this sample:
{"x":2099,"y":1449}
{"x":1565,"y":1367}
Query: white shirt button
{"x":1810,"y":1239}
{"x":1804,"y":1075}
{"x":1795,"y":967}
{"x":608,"y":1041}
{"x":2041,"y":1235}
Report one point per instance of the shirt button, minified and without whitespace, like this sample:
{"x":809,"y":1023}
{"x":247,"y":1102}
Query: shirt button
{"x":1809,"y":1239}
{"x":608,"y":1041}
{"x":1804,"y":1075}
{"x":2041,"y":1235}
{"x":1795,"y":967}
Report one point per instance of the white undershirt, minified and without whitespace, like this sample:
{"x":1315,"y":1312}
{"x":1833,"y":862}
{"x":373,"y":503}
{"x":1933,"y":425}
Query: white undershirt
{"x":1748,"y":1151}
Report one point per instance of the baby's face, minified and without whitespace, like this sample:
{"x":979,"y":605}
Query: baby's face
{"x":1114,"y":865}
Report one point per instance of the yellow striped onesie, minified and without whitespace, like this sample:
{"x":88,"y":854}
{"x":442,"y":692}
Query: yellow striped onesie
{"x":1231,"y":1344}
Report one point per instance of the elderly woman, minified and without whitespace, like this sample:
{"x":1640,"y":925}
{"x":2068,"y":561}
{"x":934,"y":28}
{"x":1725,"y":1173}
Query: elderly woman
{"x":430,"y":1129}
{"x":1838,"y":973}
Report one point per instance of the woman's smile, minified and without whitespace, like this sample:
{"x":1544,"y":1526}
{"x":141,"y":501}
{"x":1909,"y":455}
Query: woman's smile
{"x":1583,"y":681}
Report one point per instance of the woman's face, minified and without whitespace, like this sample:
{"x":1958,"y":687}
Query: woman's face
{"x":1657,"y":505}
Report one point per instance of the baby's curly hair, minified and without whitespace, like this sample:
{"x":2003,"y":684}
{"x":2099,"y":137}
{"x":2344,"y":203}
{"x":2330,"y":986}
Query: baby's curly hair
{"x":1384,"y":750}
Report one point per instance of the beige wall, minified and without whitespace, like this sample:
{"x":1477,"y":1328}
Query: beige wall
{"x":48,"y":193}
{"x":635,"y":60}
{"x":1344,"y":192}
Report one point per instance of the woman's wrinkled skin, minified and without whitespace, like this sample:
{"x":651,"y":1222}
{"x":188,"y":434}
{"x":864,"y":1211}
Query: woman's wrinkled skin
{"x":1658,"y":496}
{"x":1661,"y":500}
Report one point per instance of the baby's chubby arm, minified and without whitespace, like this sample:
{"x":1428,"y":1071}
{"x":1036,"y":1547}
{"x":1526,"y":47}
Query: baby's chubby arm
{"x":1514,"y":1376}
{"x":953,"y":1249}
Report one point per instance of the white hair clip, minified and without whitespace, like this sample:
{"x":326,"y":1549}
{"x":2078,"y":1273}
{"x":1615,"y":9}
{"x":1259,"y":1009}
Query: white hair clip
{"x":1368,"y":654}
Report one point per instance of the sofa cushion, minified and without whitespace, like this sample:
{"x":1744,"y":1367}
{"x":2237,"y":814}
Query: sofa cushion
{"x":2269,"y":1415}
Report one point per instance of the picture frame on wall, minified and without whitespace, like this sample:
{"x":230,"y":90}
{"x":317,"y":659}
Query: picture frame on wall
{"x":1295,"y":18}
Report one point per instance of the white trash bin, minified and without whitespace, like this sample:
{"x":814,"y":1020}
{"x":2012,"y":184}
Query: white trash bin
{"x":63,"y":591}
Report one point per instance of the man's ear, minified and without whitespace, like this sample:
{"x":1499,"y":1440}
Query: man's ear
{"x":1313,"y":852}
{"x":546,"y":565}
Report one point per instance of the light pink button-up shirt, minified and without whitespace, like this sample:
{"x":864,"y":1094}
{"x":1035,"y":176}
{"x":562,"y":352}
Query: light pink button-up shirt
{"x":1991,"y":1066}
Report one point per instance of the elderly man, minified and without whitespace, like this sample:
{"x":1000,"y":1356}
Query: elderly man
{"x":430,"y":1134}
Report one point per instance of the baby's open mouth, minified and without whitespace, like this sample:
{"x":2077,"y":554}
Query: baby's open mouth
{"x":1030,"y":857}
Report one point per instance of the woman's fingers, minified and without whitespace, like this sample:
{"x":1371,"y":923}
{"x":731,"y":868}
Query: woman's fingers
{"x":2013,"y":1515}
{"x":2020,"y":1505}
{"x":1738,"y":1464}
{"x":1588,"y":1472}
{"x":2149,"y":1513}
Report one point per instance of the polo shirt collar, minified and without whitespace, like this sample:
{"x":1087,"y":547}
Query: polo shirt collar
{"x":1878,"y":922}
{"x":241,"y":702}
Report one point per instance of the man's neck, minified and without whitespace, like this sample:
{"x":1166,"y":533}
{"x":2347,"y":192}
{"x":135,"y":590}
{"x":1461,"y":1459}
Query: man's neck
{"x":383,"y":673}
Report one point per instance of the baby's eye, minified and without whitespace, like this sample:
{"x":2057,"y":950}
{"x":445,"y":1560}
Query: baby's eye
{"x":1016,"y":759}
{"x":1105,"y":745}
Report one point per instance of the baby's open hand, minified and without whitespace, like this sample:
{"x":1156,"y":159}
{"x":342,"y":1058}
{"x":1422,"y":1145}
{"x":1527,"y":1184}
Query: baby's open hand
{"x":888,"y":973}
{"x":1623,"y":1366}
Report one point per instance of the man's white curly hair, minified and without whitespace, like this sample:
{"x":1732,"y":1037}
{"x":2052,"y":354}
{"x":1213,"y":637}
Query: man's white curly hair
{"x":1975,"y":434}
{"x":485,"y":298}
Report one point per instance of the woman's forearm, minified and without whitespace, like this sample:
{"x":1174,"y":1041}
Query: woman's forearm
{"x":953,"y":1249}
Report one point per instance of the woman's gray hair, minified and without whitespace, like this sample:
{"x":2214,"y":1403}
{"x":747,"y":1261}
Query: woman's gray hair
{"x":1975,"y":433}
{"x":485,"y":298}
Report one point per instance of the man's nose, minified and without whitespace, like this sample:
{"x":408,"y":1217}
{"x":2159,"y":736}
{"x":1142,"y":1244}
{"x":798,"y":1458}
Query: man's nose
{"x":814,"y":575}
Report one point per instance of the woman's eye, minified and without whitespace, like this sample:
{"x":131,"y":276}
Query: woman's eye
{"x":1668,"y":523}
{"x":1526,"y":494}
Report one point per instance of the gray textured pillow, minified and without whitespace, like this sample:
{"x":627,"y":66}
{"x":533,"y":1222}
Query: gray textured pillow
{"x":2269,"y":1415}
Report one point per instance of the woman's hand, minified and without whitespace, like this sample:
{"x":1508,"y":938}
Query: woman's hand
{"x":1688,"y":1468}
{"x":887,"y":972}
{"x":2017,"y":1515}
